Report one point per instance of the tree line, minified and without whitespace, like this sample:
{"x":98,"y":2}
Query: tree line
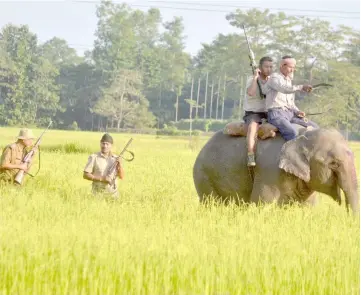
{"x":138,"y":75}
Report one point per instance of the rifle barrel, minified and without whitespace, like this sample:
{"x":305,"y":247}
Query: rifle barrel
{"x":41,"y":135}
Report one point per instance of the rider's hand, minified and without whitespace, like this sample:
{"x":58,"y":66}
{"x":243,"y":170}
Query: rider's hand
{"x":307,"y":88}
{"x":301,"y":114}
{"x":257,"y":73}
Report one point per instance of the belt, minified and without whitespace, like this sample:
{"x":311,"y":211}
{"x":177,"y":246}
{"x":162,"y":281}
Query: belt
{"x":281,"y":108}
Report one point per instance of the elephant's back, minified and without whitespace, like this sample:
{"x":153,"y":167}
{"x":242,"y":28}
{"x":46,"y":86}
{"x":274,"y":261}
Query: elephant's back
{"x":222,"y":149}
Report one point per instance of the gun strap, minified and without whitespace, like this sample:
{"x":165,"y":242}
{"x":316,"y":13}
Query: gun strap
{"x":260,"y":88}
{"x":38,"y":166}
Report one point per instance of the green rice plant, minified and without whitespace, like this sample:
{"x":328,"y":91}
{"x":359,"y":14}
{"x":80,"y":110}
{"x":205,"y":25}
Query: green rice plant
{"x":56,"y":238}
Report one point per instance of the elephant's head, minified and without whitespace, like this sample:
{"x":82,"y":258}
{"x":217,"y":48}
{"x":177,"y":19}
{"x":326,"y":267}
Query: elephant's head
{"x":323,"y":160}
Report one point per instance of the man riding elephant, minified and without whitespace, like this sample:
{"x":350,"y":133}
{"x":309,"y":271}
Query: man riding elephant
{"x":280,"y":110}
{"x":280,"y":100}
{"x":255,"y":105}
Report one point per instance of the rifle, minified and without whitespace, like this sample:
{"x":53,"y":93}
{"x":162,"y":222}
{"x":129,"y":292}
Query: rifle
{"x":253,"y":62}
{"x":113,"y":167}
{"x":28,"y":157}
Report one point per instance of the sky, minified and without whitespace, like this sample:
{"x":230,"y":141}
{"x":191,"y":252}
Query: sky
{"x":75,"y":20}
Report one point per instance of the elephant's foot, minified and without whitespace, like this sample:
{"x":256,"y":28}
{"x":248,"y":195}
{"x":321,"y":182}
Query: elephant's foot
{"x":310,"y":200}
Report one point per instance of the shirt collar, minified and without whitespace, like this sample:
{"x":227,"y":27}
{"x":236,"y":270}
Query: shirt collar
{"x":20,"y":146}
{"x":284,"y":77}
{"x":104,"y":156}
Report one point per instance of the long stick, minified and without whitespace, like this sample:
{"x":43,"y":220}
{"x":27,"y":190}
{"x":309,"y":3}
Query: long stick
{"x":240,"y":98}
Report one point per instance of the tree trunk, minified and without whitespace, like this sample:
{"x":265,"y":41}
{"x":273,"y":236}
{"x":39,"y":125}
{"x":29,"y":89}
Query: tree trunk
{"x":159,"y":104}
{"x":346,"y":124}
{"x":205,"y":99}
{"x":190,"y":110}
{"x":217,"y":103}
{"x":211,"y":107}
{"x":118,"y":124}
{"x":224,"y":96}
{"x":240,"y":99}
{"x":176,"y":108}
{"x":199,"y":84}
{"x":121,"y":102}
{"x":85,"y":115}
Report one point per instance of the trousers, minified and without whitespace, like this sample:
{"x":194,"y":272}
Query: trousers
{"x":283,"y":119}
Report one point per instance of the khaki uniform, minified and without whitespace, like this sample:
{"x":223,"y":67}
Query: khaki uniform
{"x":99,"y":165}
{"x":12,"y":154}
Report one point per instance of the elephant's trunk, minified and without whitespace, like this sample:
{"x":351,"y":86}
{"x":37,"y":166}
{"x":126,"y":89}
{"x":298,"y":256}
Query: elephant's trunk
{"x":338,"y":196}
{"x":347,"y":180}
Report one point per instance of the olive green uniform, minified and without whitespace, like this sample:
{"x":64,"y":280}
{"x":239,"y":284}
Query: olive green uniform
{"x":12,"y":154}
{"x":99,"y":165}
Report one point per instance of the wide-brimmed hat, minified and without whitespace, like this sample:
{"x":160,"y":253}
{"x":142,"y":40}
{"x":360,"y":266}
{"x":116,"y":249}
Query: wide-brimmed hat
{"x":26,"y":134}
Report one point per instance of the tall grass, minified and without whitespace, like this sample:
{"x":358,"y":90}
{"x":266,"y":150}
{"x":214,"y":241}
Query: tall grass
{"x":55,"y":238}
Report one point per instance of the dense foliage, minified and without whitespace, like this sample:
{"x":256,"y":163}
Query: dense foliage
{"x":138,"y":74}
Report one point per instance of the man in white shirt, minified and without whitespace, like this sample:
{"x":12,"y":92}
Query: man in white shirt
{"x":280,"y":100}
{"x":255,"y":104}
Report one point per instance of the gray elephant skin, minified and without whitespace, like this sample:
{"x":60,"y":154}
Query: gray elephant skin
{"x":318,"y":160}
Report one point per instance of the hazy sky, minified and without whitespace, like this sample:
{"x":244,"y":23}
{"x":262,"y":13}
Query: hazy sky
{"x":75,"y":20}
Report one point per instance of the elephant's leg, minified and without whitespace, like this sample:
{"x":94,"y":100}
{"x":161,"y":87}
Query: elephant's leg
{"x":263,"y":192}
{"x":207,"y":191}
{"x":208,"y":198}
{"x":295,"y":190}
{"x":203,"y":186}
{"x":209,"y":195}
{"x":256,"y":189}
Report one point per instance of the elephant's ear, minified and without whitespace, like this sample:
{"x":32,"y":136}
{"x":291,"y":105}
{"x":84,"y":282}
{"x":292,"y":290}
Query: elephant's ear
{"x":294,"y":158}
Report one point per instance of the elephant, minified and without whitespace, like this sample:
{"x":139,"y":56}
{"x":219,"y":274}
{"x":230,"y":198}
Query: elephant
{"x":316,"y":160}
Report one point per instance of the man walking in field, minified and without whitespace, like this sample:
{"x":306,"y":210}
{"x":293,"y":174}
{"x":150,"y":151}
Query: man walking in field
{"x":13,"y":154}
{"x":280,"y":100}
{"x":255,"y":105}
{"x":97,"y":169}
